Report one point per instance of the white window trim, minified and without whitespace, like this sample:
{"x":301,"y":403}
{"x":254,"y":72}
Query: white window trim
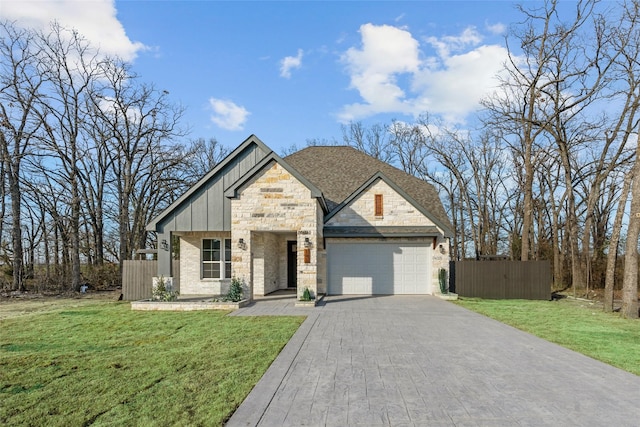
{"x":223,"y":258}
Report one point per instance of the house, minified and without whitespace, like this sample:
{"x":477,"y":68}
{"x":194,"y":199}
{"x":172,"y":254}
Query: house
{"x":330,"y":219}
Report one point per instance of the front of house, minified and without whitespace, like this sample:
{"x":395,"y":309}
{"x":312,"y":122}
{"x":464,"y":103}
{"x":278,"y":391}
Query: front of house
{"x":331,"y":220}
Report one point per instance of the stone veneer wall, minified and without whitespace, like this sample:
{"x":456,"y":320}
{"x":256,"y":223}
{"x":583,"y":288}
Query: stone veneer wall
{"x":440,"y":260}
{"x":266,"y":262}
{"x":397,"y":211}
{"x":191,"y":282}
{"x":274,"y":201}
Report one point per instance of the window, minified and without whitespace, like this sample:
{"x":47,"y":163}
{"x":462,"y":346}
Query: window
{"x":216,"y":258}
{"x":378,"y":205}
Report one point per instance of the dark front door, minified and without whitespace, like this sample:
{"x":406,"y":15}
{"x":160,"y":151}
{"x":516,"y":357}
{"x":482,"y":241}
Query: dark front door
{"x":292,"y":263}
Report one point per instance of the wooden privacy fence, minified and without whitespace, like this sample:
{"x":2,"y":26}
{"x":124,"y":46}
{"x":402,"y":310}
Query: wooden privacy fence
{"x":137,"y":276}
{"x":501,"y":279}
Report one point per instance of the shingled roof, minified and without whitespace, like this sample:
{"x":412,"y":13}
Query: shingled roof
{"x":338,"y":171}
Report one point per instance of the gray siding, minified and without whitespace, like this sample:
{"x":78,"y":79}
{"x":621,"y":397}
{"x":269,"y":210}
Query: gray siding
{"x":207,"y":209}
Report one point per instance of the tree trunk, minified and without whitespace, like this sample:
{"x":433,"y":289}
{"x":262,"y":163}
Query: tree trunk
{"x":527,"y":208}
{"x":16,"y":233}
{"x":612,"y":256}
{"x":75,"y":221}
{"x":630,"y":282}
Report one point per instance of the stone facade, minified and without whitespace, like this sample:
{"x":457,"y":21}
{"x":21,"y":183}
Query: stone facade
{"x":274,"y":208}
{"x":265,"y":212}
{"x":397,"y":211}
{"x":274,"y":202}
{"x":270,"y":261}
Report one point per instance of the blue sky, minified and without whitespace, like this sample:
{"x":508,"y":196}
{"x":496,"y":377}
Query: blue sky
{"x":295,"y":70}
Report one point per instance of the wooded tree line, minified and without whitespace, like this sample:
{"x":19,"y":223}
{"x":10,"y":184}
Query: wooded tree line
{"x":549,"y":173}
{"x":90,"y":152}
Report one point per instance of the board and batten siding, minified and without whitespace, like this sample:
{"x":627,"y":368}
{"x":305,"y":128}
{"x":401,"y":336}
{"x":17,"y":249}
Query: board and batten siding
{"x":208,"y":209}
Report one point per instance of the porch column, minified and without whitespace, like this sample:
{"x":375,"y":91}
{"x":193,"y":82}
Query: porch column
{"x":242,"y":259}
{"x":165,"y":250}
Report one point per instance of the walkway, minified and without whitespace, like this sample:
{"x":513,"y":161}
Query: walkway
{"x":421,"y":361}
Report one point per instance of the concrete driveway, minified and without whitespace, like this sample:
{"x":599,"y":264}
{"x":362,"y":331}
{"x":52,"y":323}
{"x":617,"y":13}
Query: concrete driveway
{"x":421,"y":361}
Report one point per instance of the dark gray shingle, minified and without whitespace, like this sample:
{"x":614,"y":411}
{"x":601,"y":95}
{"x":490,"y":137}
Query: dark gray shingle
{"x":338,"y":171}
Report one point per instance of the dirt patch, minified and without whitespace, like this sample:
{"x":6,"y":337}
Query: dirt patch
{"x":17,"y":304}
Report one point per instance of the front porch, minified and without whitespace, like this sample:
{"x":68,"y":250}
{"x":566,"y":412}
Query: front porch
{"x":272,"y":261}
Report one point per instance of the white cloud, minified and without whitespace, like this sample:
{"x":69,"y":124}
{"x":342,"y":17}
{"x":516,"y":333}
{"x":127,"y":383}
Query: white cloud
{"x":392,"y":75}
{"x":96,"y":21}
{"x":497,"y":28}
{"x":386,"y":52}
{"x":289,"y":63}
{"x":445,"y":45}
{"x":458,"y":85}
{"x":227,"y":114}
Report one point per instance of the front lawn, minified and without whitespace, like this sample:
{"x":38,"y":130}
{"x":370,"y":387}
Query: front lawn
{"x":102,"y":364}
{"x":578,"y":325}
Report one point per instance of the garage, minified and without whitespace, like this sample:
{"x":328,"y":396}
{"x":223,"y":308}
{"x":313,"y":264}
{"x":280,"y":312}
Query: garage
{"x":378,"y":268}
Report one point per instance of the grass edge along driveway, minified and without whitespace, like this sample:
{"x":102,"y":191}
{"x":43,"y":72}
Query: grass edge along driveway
{"x":577,"y":325}
{"x":103,"y":364}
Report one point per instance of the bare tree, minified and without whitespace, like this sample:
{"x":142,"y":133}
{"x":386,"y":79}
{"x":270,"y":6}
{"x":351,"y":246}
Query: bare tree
{"x":627,"y":43}
{"x":70,"y":67}
{"x":374,"y":140}
{"x":94,"y":167}
{"x":407,"y":141}
{"x":549,"y":173}
{"x":612,"y":255}
{"x":20,"y":85}
{"x":138,"y":122}
{"x":202,"y":156}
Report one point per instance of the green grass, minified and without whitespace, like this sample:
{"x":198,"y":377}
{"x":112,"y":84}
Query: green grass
{"x":103,"y":364}
{"x":577,"y":325}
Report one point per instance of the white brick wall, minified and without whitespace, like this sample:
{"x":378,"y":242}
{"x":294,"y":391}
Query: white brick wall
{"x":191,"y":282}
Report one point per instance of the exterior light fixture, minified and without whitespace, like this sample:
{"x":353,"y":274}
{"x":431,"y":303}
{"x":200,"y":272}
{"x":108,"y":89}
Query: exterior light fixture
{"x":242,"y":244}
{"x":164,"y":245}
{"x":307,"y":242}
{"x":441,"y":248}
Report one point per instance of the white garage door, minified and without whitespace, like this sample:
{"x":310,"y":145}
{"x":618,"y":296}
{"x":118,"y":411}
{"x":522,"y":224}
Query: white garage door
{"x":378,"y":268}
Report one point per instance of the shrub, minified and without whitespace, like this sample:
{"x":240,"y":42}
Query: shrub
{"x":306,"y":295}
{"x":235,"y":290}
{"x":442,"y":279}
{"x":102,"y":277}
{"x":162,"y":292}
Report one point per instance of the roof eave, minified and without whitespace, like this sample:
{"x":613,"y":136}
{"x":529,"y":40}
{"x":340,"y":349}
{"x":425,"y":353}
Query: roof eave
{"x":232,"y":191}
{"x":252,"y":139}
{"x":446,"y":231}
{"x":381,"y":232}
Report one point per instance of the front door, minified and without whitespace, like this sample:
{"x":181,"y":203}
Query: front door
{"x":292,"y":264}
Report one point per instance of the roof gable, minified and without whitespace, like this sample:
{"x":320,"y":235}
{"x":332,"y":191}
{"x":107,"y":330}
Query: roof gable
{"x":340,"y":171}
{"x":369,"y":183}
{"x":232,"y":191}
{"x":218,"y":180}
